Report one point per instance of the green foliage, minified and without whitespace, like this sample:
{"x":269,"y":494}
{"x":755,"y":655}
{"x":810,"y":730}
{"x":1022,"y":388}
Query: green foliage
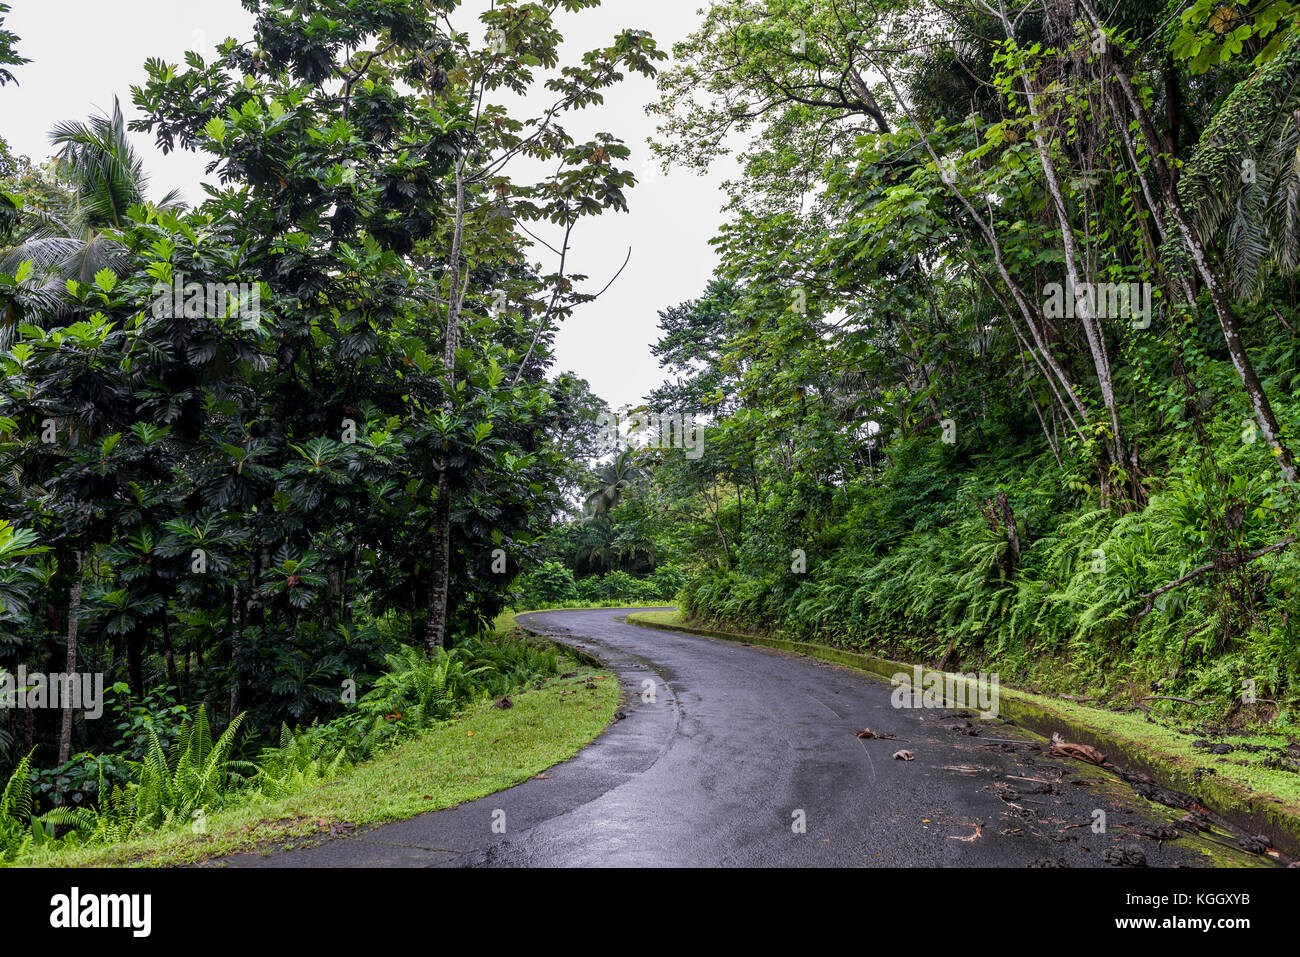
{"x":417,"y":691}
{"x":552,"y":585}
{"x":1214,"y":32}
{"x":247,"y":446}
{"x":301,"y":762}
{"x":18,"y":577}
{"x":546,"y":586}
{"x":16,"y":813}
{"x":182,"y":773}
{"x":257,"y":437}
{"x":910,"y":450}
{"x":8,"y":50}
{"x":194,"y":774}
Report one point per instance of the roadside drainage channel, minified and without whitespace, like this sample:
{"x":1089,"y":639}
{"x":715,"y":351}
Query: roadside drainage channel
{"x":1249,"y":812}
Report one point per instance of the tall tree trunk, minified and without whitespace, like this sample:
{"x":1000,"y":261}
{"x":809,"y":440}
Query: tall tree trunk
{"x":435,"y":633}
{"x":1042,"y":361}
{"x":714,"y":509}
{"x":238,"y":615}
{"x":74,"y":606}
{"x":435,"y":629}
{"x":1263,"y":409}
{"x":1130,"y":148}
{"x":1047,"y":433}
{"x":169,"y":653}
{"x":1026,"y":310}
{"x":347,"y":593}
{"x":135,"y":663}
{"x":1083,"y":304}
{"x":1173,"y":109}
{"x":235,"y":701}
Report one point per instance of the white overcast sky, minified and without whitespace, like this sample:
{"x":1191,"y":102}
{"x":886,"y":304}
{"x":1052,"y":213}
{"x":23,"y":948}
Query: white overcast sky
{"x":84,"y":52}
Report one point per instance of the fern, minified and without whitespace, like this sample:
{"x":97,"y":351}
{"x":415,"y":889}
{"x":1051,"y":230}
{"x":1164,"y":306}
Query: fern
{"x":16,"y":834}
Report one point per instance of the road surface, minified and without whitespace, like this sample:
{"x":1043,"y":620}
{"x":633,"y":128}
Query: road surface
{"x":749,"y":757}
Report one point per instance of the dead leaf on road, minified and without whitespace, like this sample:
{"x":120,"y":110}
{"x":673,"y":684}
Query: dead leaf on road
{"x":868,"y":734}
{"x":979,"y":829}
{"x":1083,"y":752}
{"x":903,"y":755}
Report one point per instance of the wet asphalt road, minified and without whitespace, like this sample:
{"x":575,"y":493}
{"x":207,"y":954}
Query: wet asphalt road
{"x":740,"y":744}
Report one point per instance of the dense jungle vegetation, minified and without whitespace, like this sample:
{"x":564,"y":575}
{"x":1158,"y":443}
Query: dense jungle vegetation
{"x":999,"y":368}
{"x":943,"y":421}
{"x":270,"y":461}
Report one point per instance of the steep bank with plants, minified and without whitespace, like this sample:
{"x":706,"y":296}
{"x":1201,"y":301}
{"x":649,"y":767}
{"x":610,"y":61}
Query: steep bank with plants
{"x":1000,"y":364}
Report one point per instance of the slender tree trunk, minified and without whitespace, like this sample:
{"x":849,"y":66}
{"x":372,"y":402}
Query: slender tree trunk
{"x":1173,"y":109}
{"x":435,"y":634}
{"x":1263,"y":409}
{"x":239,"y":615}
{"x":1013,"y":532}
{"x":135,"y":663}
{"x":74,"y":606}
{"x":169,"y":652}
{"x":435,"y":630}
{"x":349,"y":568}
{"x":1043,"y":360}
{"x":1047,"y":434}
{"x":717,"y":524}
{"x":1017,"y":292}
{"x":1083,"y":304}
{"x":1083,"y":307}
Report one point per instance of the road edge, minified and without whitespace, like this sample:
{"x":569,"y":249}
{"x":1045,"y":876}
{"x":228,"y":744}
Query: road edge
{"x":1253,"y":812}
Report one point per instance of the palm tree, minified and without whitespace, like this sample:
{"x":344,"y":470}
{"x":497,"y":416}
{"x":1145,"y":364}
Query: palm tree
{"x":611,"y":480}
{"x":103,"y":177}
{"x":1245,"y":186}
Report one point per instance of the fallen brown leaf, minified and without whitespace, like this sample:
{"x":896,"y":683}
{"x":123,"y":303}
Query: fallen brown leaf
{"x":979,"y":829}
{"x":868,"y":734}
{"x":1083,"y":752}
{"x":903,"y":755}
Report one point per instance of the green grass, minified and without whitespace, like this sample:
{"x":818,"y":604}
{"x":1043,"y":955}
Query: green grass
{"x":505,"y":622}
{"x":670,"y":617}
{"x":579,"y":605}
{"x":487,"y":750}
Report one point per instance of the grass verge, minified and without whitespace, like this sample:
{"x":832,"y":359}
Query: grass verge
{"x":506,"y":620}
{"x":1241,"y":789}
{"x":484,"y":751}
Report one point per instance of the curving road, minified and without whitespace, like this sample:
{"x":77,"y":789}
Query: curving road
{"x":741,"y":743}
